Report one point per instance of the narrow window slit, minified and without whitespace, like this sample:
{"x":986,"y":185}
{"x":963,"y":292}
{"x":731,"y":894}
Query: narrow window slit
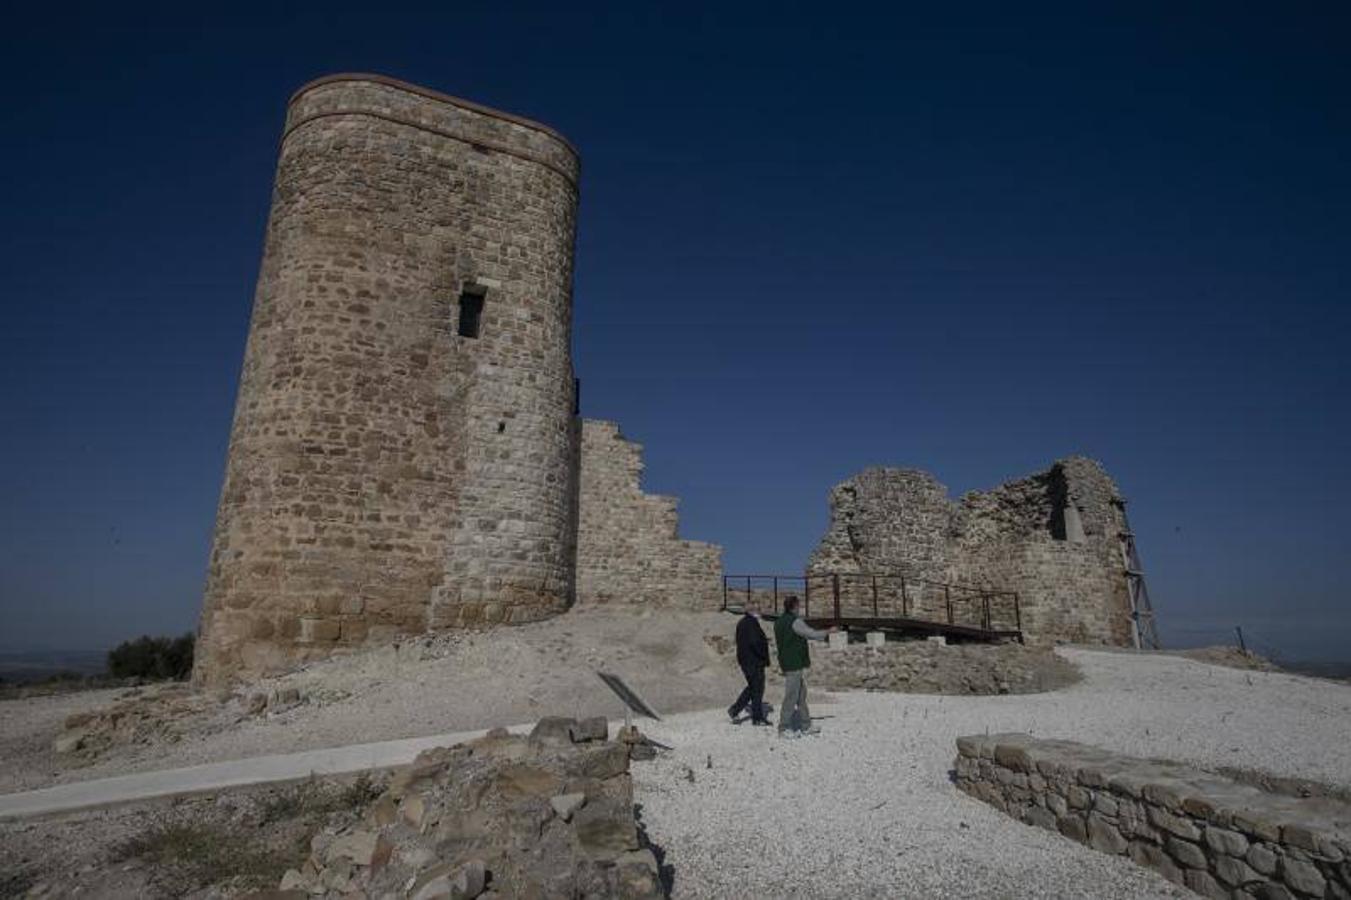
{"x":471,"y":313}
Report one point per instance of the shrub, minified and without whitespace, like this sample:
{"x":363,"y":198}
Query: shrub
{"x":152,"y":657}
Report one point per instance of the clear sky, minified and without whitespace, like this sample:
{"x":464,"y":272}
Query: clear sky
{"x":966,"y":238}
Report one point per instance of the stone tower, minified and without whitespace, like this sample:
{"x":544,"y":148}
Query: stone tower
{"x":405,"y":448}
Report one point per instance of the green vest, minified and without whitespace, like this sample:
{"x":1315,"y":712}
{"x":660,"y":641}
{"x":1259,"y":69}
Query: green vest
{"x":791,"y":646}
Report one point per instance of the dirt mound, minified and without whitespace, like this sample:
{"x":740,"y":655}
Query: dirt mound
{"x":1232,"y":657}
{"x":161,"y":715}
{"x":434,"y":684}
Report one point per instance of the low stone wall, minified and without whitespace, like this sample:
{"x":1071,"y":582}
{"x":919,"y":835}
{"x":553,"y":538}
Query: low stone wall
{"x":1215,"y":836}
{"x":927,"y":667}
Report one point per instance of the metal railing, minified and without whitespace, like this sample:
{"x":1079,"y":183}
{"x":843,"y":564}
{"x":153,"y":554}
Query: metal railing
{"x":854,"y":595}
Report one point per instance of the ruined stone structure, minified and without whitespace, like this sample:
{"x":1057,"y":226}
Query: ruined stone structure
{"x":405,"y":449}
{"x":1216,"y":836}
{"x":628,"y":548}
{"x":1053,"y":537}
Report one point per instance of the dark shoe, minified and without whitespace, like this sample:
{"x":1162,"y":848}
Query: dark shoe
{"x":731,"y":713}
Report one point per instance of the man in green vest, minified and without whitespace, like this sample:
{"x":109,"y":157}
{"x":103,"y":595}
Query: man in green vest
{"x":791,"y":634}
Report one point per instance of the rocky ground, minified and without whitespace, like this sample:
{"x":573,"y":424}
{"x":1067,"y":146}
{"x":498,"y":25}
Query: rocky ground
{"x":503,"y":816}
{"x":207,"y":846}
{"x":550,"y":815}
{"x":868,"y":809}
{"x":865,"y":809}
{"x":448,"y":682}
{"x":454,"y":682}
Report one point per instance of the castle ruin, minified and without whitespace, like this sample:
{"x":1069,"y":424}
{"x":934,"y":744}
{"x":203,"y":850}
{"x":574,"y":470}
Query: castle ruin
{"x":1053,"y":537}
{"x":406,"y":453}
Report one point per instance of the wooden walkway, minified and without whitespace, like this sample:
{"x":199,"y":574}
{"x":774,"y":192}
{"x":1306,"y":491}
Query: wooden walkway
{"x":888,"y":602}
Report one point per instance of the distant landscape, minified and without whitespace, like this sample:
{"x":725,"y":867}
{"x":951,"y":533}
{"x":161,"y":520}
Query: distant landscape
{"x":1338,"y":670}
{"x":38,"y":665}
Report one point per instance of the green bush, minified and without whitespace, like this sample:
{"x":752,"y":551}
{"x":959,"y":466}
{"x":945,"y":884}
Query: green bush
{"x":152,"y":657}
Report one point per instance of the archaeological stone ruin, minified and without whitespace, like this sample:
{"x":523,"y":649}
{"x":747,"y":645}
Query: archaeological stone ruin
{"x":1053,"y":538}
{"x":1218,"y":837}
{"x":628,"y":548}
{"x":407,"y":453}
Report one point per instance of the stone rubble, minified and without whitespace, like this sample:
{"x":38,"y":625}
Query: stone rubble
{"x":546,"y":815}
{"x":162,"y":713}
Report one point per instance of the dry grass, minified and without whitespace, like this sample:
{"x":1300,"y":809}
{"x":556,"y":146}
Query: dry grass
{"x":313,"y":798}
{"x":190,"y":856}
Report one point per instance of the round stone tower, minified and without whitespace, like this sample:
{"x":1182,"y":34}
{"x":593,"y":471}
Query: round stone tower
{"x":404,"y":449}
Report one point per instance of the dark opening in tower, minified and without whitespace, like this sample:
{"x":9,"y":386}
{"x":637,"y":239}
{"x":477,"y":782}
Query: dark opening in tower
{"x":471,"y":312}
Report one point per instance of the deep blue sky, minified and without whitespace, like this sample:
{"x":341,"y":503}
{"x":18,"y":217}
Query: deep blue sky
{"x":969,"y":240}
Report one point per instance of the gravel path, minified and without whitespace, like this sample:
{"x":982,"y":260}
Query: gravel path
{"x":866,"y":808}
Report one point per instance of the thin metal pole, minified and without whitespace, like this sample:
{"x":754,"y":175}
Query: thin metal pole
{"x":947,"y":598}
{"x":1242,"y":646}
{"x":905,"y":601}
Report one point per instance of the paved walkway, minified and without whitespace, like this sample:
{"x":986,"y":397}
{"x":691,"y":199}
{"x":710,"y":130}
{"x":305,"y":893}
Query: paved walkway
{"x":234,"y":773}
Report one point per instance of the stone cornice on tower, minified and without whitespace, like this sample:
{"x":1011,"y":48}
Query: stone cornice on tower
{"x":484,"y":128}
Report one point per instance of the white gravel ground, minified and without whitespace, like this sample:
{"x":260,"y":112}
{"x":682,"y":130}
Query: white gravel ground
{"x":866,"y":809}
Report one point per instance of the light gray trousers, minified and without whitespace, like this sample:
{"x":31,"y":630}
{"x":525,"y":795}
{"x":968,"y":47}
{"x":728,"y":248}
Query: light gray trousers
{"x":795,"y":702}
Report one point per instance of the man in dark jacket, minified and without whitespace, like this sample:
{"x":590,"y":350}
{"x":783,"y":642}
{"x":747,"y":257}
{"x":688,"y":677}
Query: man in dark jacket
{"x":752,"y":654}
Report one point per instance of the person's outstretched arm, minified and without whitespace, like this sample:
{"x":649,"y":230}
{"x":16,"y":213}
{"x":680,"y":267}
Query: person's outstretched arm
{"x":802,"y":628}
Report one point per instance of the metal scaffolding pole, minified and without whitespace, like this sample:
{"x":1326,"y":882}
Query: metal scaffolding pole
{"x":1143,"y":630}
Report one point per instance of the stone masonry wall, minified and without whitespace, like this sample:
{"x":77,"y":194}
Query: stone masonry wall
{"x":629,"y":550}
{"x":386,"y":475}
{"x":1052,"y":537}
{"x":1215,"y":836}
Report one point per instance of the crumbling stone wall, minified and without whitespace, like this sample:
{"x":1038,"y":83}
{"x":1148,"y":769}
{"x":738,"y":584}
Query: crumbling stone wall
{"x":551,"y":815}
{"x":385,"y":474}
{"x":1218,"y":837}
{"x":628,"y":544}
{"x":1053,"y":537}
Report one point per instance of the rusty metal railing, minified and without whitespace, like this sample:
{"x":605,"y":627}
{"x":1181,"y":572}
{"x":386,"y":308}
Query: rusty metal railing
{"x":880,"y":596}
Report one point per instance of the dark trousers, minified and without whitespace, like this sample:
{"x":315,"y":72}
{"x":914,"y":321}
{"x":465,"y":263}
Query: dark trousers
{"x":753,"y":695}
